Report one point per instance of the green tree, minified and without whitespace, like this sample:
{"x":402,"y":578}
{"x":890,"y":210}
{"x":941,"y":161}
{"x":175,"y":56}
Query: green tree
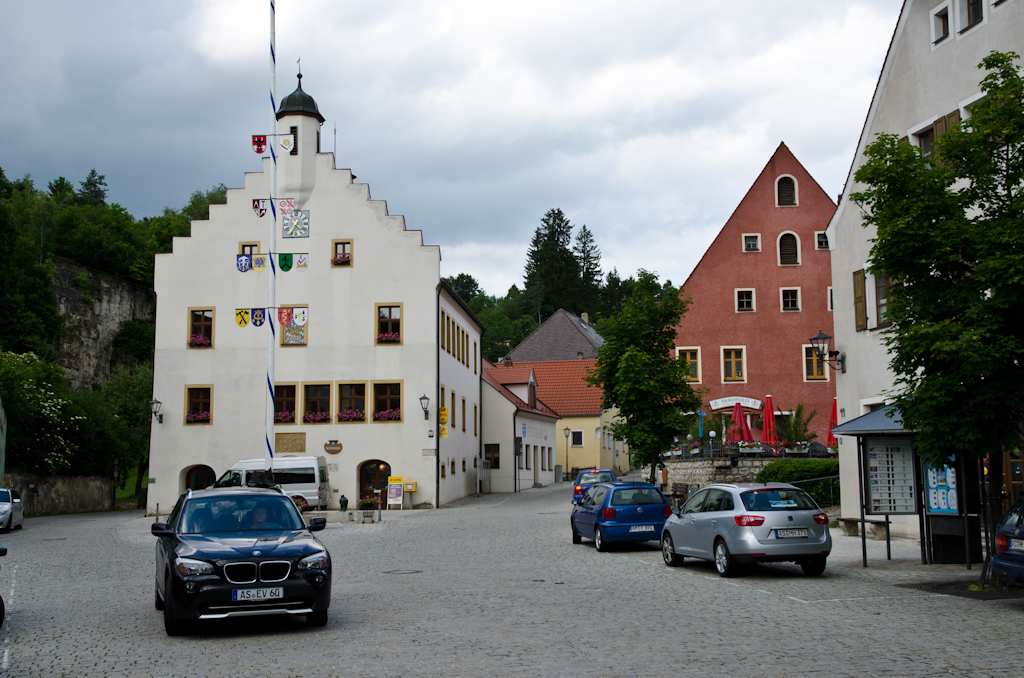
{"x":588,"y":261}
{"x":637,"y":369}
{"x":128,"y":393}
{"x":93,"y":191}
{"x":552,"y":272}
{"x":466,"y":285}
{"x":950,"y":241}
{"x":198,"y":207}
{"x":61,"y":191}
{"x":40,"y":433}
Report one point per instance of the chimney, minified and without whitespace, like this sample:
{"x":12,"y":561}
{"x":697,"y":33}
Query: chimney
{"x":585,"y":318}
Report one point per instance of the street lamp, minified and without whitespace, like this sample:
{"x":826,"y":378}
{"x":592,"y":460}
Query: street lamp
{"x":154,"y":405}
{"x":821,"y":343}
{"x":425,"y":403}
{"x":566,"y":431}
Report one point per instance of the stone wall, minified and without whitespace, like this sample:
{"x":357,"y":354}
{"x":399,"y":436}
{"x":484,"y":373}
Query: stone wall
{"x":62,"y":494}
{"x":705,"y":471}
{"x":94,"y":307}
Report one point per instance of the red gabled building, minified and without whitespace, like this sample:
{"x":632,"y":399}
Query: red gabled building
{"x":760,"y":291}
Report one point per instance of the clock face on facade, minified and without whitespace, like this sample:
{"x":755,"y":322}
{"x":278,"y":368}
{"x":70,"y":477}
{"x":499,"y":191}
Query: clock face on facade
{"x":295,"y":225}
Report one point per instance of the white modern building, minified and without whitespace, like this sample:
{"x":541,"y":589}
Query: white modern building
{"x":929,"y":80}
{"x":514,"y":411}
{"x":365,"y":329}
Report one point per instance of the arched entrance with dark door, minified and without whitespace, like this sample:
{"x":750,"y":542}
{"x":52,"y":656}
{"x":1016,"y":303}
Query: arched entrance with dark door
{"x":373,"y":475}
{"x":199,"y":477}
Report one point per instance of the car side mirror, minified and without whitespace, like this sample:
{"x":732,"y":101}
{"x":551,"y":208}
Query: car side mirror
{"x":161,"y":530}
{"x":17,"y":501}
{"x":317,"y":524}
{"x":676,"y":510}
{"x":575,"y":501}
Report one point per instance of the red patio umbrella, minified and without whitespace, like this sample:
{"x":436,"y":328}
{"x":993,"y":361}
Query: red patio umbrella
{"x":741,"y":431}
{"x":768,"y":433}
{"x":833,"y":421}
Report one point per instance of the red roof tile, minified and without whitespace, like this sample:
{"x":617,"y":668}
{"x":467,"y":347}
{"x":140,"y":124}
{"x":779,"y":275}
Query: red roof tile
{"x":542,"y":409}
{"x":561,"y":384}
{"x":510,"y":375}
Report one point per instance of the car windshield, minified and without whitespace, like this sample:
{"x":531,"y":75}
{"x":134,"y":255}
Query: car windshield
{"x":602,"y":477}
{"x":239,"y":514}
{"x":637,"y":496}
{"x":775,"y":499}
{"x":5,"y":496}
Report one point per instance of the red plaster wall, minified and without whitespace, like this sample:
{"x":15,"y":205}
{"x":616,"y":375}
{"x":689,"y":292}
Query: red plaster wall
{"x":773,"y":359}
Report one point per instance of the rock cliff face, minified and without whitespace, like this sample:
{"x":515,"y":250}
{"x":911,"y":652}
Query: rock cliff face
{"x":94,"y":308}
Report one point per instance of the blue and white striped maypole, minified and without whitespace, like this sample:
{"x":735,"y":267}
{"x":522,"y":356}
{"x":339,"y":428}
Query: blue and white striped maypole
{"x":272,"y":298}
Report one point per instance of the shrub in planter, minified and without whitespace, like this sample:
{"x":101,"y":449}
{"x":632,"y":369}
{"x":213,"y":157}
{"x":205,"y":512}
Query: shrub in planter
{"x":197,"y":417}
{"x":388,"y":337}
{"x":316,"y":417}
{"x":368,"y":503}
{"x":341,"y":259}
{"x":285,"y":417}
{"x":790,"y":470}
{"x":388,"y":415}
{"x":198,"y":341}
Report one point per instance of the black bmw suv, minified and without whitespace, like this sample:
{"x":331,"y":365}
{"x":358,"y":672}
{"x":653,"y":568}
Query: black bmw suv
{"x":240,"y":551}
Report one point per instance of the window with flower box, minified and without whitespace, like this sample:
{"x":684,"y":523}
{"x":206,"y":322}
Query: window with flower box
{"x":201,"y":327}
{"x":389,"y":324}
{"x":352,"y":402}
{"x":316,"y":403}
{"x":387,"y":401}
{"x":285,"y":403}
{"x":341,"y":253}
{"x":199,"y":404}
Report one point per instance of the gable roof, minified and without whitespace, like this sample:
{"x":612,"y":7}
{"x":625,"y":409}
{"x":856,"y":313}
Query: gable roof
{"x":541,"y":409}
{"x":781,"y":154}
{"x":563,"y":336}
{"x":562,"y":385}
{"x":512,"y":375}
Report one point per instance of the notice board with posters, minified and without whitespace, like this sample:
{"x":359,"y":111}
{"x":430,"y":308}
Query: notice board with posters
{"x":941,"y":489}
{"x":889,"y":477}
{"x":396,"y":491}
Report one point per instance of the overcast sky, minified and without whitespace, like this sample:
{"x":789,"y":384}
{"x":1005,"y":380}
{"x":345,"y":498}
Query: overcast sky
{"x":646,"y":121}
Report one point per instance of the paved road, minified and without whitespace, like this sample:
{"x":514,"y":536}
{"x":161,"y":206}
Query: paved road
{"x":499,"y":590}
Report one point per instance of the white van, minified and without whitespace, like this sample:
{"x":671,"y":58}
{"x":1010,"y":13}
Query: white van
{"x":304,"y":479}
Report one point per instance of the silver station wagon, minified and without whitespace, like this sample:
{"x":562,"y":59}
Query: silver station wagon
{"x":748,"y":523}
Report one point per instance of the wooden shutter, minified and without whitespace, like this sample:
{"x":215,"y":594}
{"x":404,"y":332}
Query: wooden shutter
{"x":860,"y":307}
{"x":904,"y":140}
{"x":952,"y":119}
{"x":939,"y":128}
{"x":787,"y":191}
{"x":787,"y":249}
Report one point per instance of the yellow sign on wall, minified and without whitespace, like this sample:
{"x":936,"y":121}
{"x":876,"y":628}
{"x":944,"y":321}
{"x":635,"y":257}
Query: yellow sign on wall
{"x":444,"y":431}
{"x":442,"y":414}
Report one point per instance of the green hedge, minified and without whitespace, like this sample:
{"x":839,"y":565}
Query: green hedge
{"x":791,"y":470}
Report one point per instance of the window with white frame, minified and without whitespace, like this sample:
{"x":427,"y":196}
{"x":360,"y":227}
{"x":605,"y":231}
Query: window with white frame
{"x":830,"y":301}
{"x":751,"y":242}
{"x":820,"y":240}
{"x":789,"y":249}
{"x":745,"y":301}
{"x":786,"y":194}
{"x":814,"y":367}
{"x":691,"y":354}
{"x":733,"y":368}
{"x":576,"y":438}
{"x":789,"y":298}
{"x":970,"y":13}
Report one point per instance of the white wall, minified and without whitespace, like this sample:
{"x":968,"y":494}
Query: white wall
{"x":460,"y":375}
{"x":390,"y":264}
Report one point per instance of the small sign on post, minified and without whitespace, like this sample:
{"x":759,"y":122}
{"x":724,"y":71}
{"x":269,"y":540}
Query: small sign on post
{"x":396,"y":491}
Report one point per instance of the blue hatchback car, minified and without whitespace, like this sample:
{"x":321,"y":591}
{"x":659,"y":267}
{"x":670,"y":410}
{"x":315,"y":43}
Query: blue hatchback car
{"x":590,"y":476}
{"x":619,"y":511}
{"x":1008,"y":561}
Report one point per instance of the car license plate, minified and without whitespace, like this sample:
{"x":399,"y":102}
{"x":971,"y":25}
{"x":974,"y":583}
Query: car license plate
{"x":257,"y":595}
{"x":1017,"y":544}
{"x":641,"y":528}
{"x":789,"y":534}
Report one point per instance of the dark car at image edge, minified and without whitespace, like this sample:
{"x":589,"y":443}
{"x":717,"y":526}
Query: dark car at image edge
{"x":237,"y":552}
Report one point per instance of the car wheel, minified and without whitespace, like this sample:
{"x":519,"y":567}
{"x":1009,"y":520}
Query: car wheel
{"x":576,"y":538}
{"x":7,"y":528}
{"x":599,"y":541}
{"x":1,"y":612}
{"x":724,"y":562}
{"x":668,"y":551}
{"x":158,"y":602}
{"x":21,"y":524}
{"x":317,"y":618}
{"x":813,"y":567}
{"x":172,"y":625}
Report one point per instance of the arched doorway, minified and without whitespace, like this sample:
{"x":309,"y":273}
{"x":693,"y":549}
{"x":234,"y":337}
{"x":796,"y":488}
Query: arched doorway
{"x":199,"y":477}
{"x":373,"y":475}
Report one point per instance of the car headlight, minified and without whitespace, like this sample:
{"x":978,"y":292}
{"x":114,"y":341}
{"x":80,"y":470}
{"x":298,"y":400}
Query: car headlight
{"x":187,"y":567}
{"x":317,"y":561}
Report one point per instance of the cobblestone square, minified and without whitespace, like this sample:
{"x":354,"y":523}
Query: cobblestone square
{"x":494,"y":587}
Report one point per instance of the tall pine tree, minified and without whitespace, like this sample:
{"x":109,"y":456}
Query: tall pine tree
{"x":588,"y":260}
{"x":551,"y":268}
